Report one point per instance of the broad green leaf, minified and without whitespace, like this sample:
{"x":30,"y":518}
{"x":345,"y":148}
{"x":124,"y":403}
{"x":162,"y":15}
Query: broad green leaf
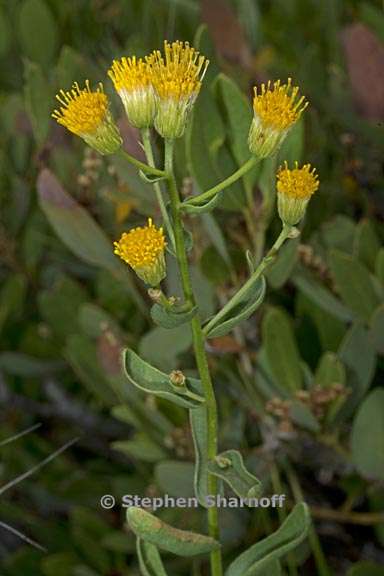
{"x":148,"y":527}
{"x":172,"y":317}
{"x":149,"y":559}
{"x":367,"y":244}
{"x":354,"y":284}
{"x":151,"y":380}
{"x":252,"y":300}
{"x":162,"y":346}
{"x":20,"y":364}
{"x":272,"y":569}
{"x":79,"y":232}
{"x":94,"y":321}
{"x":320,"y":295}
{"x":338,"y":233}
{"x":229,"y":466}
{"x":379,"y":265}
{"x":199,"y":428}
{"x":281,"y":349}
{"x":377,"y":330}
{"x":358,"y":355}
{"x":281,"y":269}
{"x":175,"y":478}
{"x":303,"y":417}
{"x":38,"y":100}
{"x":38,"y":32}
{"x":140,"y":447}
{"x":255,"y":560}
{"x":367,"y":439}
{"x":329,"y":371}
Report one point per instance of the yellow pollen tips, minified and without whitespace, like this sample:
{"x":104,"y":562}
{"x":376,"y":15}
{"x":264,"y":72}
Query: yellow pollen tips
{"x":177,"y":75}
{"x":82,"y":111}
{"x":140,"y":247}
{"x":298,"y":183}
{"x":130,"y":74}
{"x":279,"y":106}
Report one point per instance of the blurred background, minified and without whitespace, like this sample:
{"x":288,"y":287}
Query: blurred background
{"x":300,"y":385}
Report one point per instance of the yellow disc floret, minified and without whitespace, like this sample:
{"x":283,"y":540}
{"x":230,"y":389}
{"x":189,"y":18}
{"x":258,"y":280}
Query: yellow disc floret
{"x":82,"y":111}
{"x":179,"y":73}
{"x":298,"y":182}
{"x":279,"y":106}
{"x":130,"y":74}
{"x":143,"y":249}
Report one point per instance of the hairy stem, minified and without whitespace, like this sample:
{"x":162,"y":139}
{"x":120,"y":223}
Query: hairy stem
{"x":201,"y":198}
{"x":199,"y":349}
{"x":240,"y":295}
{"x":146,"y":137}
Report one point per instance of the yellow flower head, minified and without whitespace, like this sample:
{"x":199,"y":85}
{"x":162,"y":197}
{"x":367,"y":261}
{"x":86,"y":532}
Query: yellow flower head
{"x":294,"y":190}
{"x":132,"y":79}
{"x":298,"y":182}
{"x":86,"y":113}
{"x":279,"y":106}
{"x":143,"y":249}
{"x":180,"y":73}
{"x":176,"y":78}
{"x":276,"y":109}
{"x":81,"y":111}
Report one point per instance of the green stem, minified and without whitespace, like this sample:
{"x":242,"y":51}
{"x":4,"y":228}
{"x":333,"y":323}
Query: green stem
{"x":146,"y":137}
{"x":321,"y":562}
{"x":141,"y":165}
{"x":240,"y":295}
{"x":199,"y":349}
{"x":201,"y":198}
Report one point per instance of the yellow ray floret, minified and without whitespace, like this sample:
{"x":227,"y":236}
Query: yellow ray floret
{"x":298,"y":183}
{"x":142,"y":246}
{"x":177,"y":75}
{"x":130,"y":74}
{"x":82,"y":111}
{"x":279,"y":106}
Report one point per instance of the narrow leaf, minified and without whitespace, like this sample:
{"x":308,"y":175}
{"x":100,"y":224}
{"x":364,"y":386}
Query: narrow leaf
{"x":255,"y":560}
{"x":149,"y":559}
{"x":199,"y":429}
{"x":151,"y":380}
{"x":172,"y":317}
{"x":148,"y":527}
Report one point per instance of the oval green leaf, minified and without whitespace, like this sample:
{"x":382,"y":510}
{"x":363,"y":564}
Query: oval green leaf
{"x":229,"y":466}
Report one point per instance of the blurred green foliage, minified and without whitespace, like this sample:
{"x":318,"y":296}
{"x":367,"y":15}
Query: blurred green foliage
{"x":302,"y":381}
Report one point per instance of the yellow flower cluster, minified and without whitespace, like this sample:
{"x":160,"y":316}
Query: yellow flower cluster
{"x":294,"y":189}
{"x":278,"y":106}
{"x":143,"y":249}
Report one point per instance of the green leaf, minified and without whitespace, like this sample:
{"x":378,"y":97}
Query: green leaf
{"x":367,"y":244}
{"x":329,"y":371}
{"x":358,"y":355}
{"x":175,"y":478}
{"x":229,"y":466}
{"x":281,"y":349}
{"x":367,"y":439}
{"x":366,"y":568}
{"x":162,"y":346}
{"x":140,"y":447}
{"x":79,"y":232}
{"x":180,"y":542}
{"x":207,"y":206}
{"x":252,"y":300}
{"x":153,"y":381}
{"x":38,"y":32}
{"x":321,"y":296}
{"x":255,"y":560}
{"x":149,"y":559}
{"x":354,"y":284}
{"x":377,"y":331}
{"x":38,"y":100}
{"x":199,"y":428}
{"x":172,"y":317}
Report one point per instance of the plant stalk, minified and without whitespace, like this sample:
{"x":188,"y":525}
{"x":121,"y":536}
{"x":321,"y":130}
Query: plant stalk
{"x":199,"y":349}
{"x":240,"y":295}
{"x":201,"y":198}
{"x":146,"y":137}
{"x":141,"y":165}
